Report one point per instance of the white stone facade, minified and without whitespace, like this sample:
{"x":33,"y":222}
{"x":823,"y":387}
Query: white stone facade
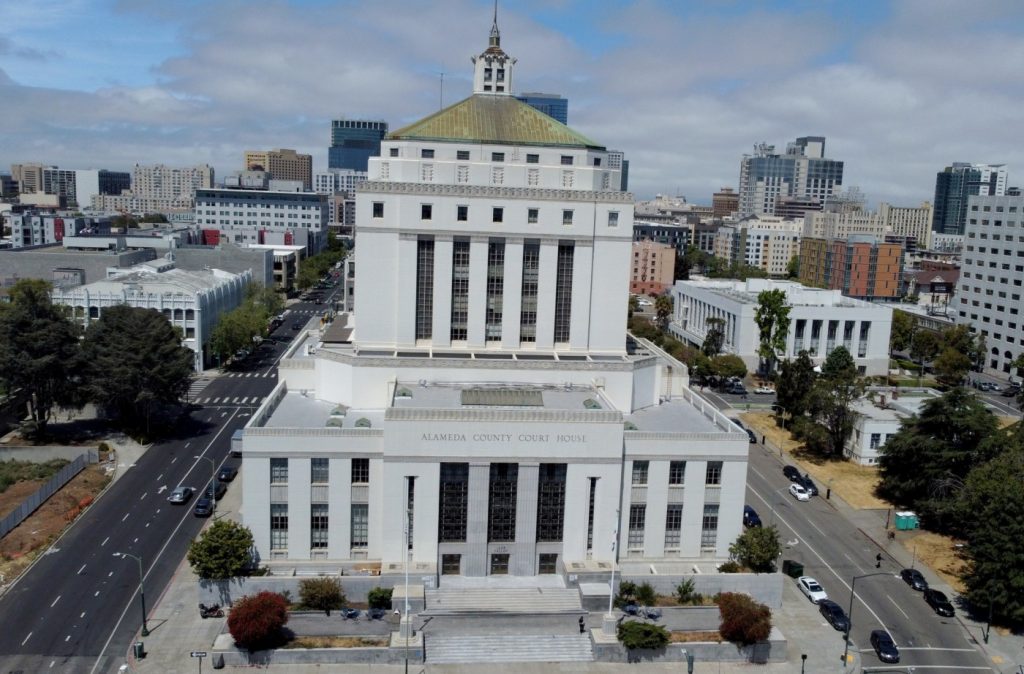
{"x":820,"y":320}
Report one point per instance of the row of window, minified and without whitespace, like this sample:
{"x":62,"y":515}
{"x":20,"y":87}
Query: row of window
{"x":319,"y":471}
{"x":677,"y":473}
{"x":497,"y":157}
{"x":319,"y":526}
{"x":673,"y":526}
{"x":497,"y":214}
{"x":988,"y":209}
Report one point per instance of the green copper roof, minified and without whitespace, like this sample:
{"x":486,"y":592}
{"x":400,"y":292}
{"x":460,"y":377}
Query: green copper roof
{"x":486,"y":118}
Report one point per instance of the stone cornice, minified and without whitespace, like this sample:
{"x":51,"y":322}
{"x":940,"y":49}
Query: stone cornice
{"x":500,"y":414}
{"x":534,"y":193}
{"x":469,"y":363}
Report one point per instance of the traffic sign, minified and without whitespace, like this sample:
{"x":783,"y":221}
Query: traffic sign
{"x":198,"y":654}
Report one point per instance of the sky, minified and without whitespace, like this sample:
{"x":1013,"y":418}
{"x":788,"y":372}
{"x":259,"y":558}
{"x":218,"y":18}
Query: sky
{"x":685,"y":88}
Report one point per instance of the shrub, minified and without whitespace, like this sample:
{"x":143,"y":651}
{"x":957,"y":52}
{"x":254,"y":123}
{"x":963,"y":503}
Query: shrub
{"x":321,"y":593}
{"x":380,"y":597}
{"x":255,"y":621}
{"x":634,"y":634}
{"x":730,"y":566}
{"x":645,"y":595}
{"x":685,"y":592}
{"x":223,"y":550}
{"x":744,"y":620}
{"x":627,"y":593}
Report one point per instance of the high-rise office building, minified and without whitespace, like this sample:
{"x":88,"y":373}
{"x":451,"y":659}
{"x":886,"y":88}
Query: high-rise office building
{"x":282,"y":165}
{"x":551,"y":105}
{"x":724,"y":202}
{"x":353,"y":142}
{"x":803,"y":171}
{"x":908,"y":221}
{"x":953,"y":186}
{"x":861,"y":266}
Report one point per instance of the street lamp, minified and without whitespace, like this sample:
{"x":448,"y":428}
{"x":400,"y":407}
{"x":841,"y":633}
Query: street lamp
{"x":142,"y":591}
{"x":609,"y":619}
{"x":213,"y":484}
{"x":849,"y":612}
{"x":405,"y":625}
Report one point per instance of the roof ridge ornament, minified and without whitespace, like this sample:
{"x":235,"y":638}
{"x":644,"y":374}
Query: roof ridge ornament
{"x":495,"y":40}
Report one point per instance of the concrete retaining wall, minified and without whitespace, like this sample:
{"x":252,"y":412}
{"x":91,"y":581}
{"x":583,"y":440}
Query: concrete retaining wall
{"x":773,"y":650}
{"x":763,"y":587}
{"x":356,"y":588}
{"x":44,"y":453}
{"x":312,"y":656}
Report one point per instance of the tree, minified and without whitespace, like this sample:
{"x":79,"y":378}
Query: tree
{"x":959,"y":338}
{"x":951,"y":366}
{"x":796,"y":378}
{"x":714,"y":338}
{"x":744,"y":620}
{"x":924,"y":346}
{"x":39,"y":349}
{"x":757,"y":548}
{"x":992,"y":505}
{"x":728,"y":365}
{"x":839,"y":366}
{"x":134,"y":362}
{"x":663,"y":310}
{"x":637,"y":635}
{"x":831,"y":402}
{"x":634,"y":305}
{"x":153,"y":217}
{"x":380,"y":597}
{"x":793,"y":267}
{"x":222,"y":551}
{"x":772,"y":319}
{"x":924,"y":464}
{"x":904,"y":326}
{"x":322,"y":593}
{"x":256,"y":620}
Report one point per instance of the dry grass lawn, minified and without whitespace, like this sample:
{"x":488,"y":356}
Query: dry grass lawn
{"x":690,"y":637}
{"x":338,"y":642}
{"x":937,"y":552}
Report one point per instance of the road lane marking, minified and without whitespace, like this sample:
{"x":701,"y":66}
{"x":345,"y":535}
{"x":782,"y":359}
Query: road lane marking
{"x":143,"y":495}
{"x":173,"y":459}
{"x":125,"y":517}
{"x":855,"y":565}
{"x":223,"y":414}
{"x":80,"y":570}
{"x":936,"y":648}
{"x":83,"y":615}
{"x":110,"y":574}
{"x":67,"y":638}
{"x":97,"y":593}
{"x":26,"y":639}
{"x":55,"y":601}
{"x":187,"y":444}
{"x":159,"y":477}
{"x":897,"y":607}
{"x":104,"y":541}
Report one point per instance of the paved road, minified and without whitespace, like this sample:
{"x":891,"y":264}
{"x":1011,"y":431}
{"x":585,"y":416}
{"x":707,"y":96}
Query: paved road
{"x":833,"y":551}
{"x":77,"y":609}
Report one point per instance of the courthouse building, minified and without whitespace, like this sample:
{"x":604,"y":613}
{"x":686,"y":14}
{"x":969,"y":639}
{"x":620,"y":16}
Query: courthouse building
{"x":484,"y":412}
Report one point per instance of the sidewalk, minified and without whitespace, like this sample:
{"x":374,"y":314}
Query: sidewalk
{"x":1004,"y":651}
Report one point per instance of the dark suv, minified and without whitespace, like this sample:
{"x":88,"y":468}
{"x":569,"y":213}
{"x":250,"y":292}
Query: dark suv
{"x":750,"y":517}
{"x":834,"y":614}
{"x":791,"y":473}
{"x":215,"y":490}
{"x":885,"y":647}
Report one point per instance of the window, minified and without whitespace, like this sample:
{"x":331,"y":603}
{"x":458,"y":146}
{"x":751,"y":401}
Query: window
{"x":393,"y":152}
{"x":318,"y":526}
{"x":613,"y":218}
{"x":278,"y":526}
{"x":640,"y":473}
{"x":673,"y":525}
{"x":566,"y":160}
{"x":637,"y":520}
{"x":501,"y":511}
{"x":531,"y":215}
{"x":278,"y":471}
{"x":319,"y":471}
{"x":709,"y":526}
{"x":378,"y":209}
{"x":677,"y":472}
{"x":497,"y":214}
{"x":451,"y":565}
{"x":462,"y":155}
{"x":495,"y":289}
{"x":876,"y":440}
{"x":424,"y":289}
{"x":426,"y":211}
{"x":566,"y":217}
{"x":548,"y":563}
{"x":528,"y":301}
{"x":360,"y":471}
{"x":551,"y":502}
{"x":533,"y":159}
{"x":360,"y":525}
{"x":597,"y":161}
{"x":499,"y":565}
{"x":460,"y":291}
{"x":462,"y":213}
{"x":497,"y":156}
{"x":563,"y":292}
{"x":454,"y":502}
{"x":713,"y":476}
{"x":426,"y":154}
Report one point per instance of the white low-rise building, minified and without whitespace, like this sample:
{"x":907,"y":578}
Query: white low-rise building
{"x":879,"y":416}
{"x":484,"y":413}
{"x":191,"y":300}
{"x":820,"y":320}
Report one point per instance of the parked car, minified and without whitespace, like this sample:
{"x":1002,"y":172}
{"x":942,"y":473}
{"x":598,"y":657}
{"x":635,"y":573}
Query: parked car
{"x":834,"y":614}
{"x":735,"y":388}
{"x":791,"y":473}
{"x":885,"y":647}
{"x":798,"y":492}
{"x":764,"y":390}
{"x":750,"y":517}
{"x":227,"y":474}
{"x":215,"y":490}
{"x":914,"y":579}
{"x":939,"y":603}
{"x":180,"y":495}
{"x":751,"y":436}
{"x":204,"y":507}
{"x":812,"y":588}
{"x":808,"y":484}
{"x":1010,"y":391}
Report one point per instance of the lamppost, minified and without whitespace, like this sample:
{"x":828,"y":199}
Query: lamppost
{"x":406,"y":625}
{"x":849,"y":612}
{"x":142,"y":590}
{"x":609,"y":619}
{"x":803,"y":661}
{"x":213,"y":483}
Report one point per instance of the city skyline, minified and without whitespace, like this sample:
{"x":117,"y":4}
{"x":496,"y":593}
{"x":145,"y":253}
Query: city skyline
{"x":899,"y":89}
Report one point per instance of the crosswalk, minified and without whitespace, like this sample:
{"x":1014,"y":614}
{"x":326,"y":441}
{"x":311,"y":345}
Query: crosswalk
{"x":232,"y":400}
{"x":242,"y":375}
{"x":197,"y":387}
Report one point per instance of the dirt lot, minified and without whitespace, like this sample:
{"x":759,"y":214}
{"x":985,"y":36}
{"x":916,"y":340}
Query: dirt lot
{"x":20,"y":546}
{"x":939,"y":553}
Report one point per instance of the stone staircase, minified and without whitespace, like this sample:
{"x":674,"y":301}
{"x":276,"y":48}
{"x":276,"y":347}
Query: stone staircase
{"x":503,"y":601}
{"x":508,"y":648}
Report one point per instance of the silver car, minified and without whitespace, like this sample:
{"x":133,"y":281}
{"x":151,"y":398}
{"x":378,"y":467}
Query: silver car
{"x":180,"y":495}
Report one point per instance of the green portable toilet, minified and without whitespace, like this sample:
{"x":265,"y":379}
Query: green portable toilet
{"x":906,"y":520}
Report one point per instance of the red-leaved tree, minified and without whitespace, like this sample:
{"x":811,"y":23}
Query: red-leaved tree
{"x":744,"y":620}
{"x":255,"y":621}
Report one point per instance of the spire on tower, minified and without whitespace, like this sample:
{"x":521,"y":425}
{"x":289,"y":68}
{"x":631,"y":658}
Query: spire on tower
{"x":495,"y":40}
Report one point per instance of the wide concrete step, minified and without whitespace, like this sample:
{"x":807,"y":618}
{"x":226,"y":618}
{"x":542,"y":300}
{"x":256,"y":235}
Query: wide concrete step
{"x":509,"y":601}
{"x":517,"y":648}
